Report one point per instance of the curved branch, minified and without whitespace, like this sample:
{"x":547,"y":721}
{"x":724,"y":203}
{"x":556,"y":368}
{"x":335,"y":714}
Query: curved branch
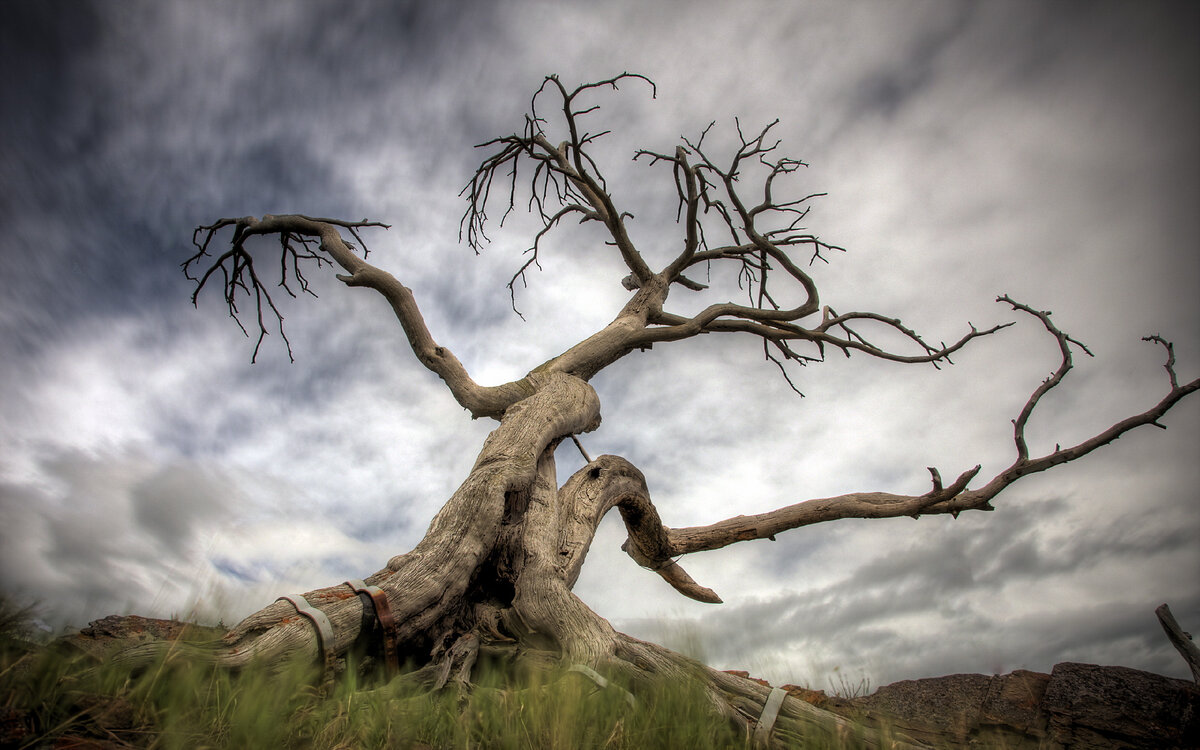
{"x":759,"y":251}
{"x":954,"y":498}
{"x":1024,"y":466}
{"x":481,"y":401}
{"x":605,"y":483}
{"x":854,"y":341}
{"x":1064,"y":347}
{"x":697,"y":185}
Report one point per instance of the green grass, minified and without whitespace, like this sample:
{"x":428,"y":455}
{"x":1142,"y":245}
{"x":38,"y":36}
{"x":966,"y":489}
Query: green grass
{"x":54,"y":695}
{"x":49,"y":695}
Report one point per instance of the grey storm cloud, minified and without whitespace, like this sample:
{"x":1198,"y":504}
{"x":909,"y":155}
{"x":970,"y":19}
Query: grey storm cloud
{"x":103,"y":521}
{"x":1045,"y":149}
{"x":169,"y":503}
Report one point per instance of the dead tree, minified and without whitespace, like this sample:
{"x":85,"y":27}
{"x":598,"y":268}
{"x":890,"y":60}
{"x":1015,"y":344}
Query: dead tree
{"x":493,"y":574}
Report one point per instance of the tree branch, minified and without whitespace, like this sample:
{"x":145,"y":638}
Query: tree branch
{"x":611,"y":481}
{"x":855,"y":505}
{"x":566,"y":182}
{"x":954,"y":498}
{"x":564,"y":174}
{"x":1181,"y":640}
{"x":763,"y":234}
{"x":295,"y":230}
{"x":852,"y":340}
{"x":1023,"y":465}
{"x":731,"y":318}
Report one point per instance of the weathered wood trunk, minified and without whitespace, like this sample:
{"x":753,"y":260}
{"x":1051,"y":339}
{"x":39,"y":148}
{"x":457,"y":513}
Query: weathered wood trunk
{"x":494,"y":572}
{"x":487,"y":557}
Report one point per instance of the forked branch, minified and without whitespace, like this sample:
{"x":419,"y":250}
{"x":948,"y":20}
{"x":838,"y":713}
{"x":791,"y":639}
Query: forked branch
{"x":565,"y":180}
{"x":565,"y":183}
{"x":303,"y":238}
{"x":764,"y":232}
{"x":955,"y":497}
{"x":240,"y":278}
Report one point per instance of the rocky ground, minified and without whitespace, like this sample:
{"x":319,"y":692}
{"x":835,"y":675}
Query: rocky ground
{"x":1076,"y":706}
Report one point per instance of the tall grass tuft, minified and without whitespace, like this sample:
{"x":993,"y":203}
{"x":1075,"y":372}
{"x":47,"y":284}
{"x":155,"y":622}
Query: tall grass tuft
{"x":56,"y":695}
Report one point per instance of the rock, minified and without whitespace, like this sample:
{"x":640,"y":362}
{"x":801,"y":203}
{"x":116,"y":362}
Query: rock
{"x":1075,"y":707}
{"x":1014,"y":701}
{"x":104,"y":636}
{"x":938,"y":709}
{"x":1117,"y":707}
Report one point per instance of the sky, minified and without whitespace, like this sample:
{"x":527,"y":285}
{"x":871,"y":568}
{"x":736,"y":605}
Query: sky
{"x":1047,"y":150}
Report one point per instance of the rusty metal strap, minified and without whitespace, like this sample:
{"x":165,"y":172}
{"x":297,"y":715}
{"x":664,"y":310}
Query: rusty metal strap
{"x":323,"y":627}
{"x":387,"y":623}
{"x":770,"y":712}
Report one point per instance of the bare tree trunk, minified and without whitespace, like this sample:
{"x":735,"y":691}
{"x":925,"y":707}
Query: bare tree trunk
{"x":494,"y":572}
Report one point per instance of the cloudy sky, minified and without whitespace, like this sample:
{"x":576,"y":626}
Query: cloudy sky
{"x":1047,"y":150}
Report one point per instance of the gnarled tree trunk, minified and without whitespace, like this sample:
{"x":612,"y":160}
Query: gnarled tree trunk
{"x":494,"y":573}
{"x":495,"y":570}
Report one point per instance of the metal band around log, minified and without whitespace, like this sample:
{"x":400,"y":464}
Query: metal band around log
{"x":601,"y":682}
{"x":387,"y":623}
{"x":323,"y":627}
{"x":770,"y":712}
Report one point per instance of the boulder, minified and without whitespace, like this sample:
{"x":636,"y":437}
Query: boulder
{"x":1117,"y":707}
{"x":959,"y":710}
{"x":1075,"y":707}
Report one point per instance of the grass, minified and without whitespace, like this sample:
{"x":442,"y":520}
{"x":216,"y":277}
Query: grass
{"x":844,"y":687}
{"x":55,"y":696}
{"x":51,"y":698}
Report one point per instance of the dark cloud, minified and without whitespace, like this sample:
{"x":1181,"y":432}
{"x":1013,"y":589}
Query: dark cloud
{"x":111,"y":180}
{"x":172,"y":501}
{"x":135,"y":126}
{"x":885,"y":91}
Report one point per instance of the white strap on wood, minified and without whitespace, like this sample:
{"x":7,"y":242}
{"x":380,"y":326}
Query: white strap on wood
{"x":770,"y":712}
{"x":602,"y":683}
{"x":322,"y":625}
